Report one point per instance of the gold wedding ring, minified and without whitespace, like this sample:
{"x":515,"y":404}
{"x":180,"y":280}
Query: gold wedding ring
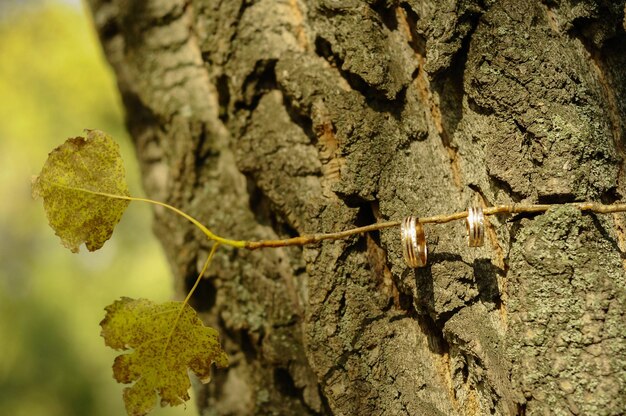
{"x":414,"y":247}
{"x":475,"y":226}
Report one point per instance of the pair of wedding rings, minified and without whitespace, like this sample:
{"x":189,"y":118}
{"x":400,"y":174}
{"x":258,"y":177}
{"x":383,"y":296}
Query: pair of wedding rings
{"x":414,"y":247}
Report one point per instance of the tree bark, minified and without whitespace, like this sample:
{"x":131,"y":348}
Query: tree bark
{"x":274,"y":118}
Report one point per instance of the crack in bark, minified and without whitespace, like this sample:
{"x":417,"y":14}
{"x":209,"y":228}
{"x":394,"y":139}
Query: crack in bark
{"x":296,"y":9}
{"x":318,"y":126}
{"x":323,"y":48}
{"x":422,"y":83}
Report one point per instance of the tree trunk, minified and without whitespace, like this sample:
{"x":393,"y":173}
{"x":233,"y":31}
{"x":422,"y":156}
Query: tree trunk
{"x":274,"y":118}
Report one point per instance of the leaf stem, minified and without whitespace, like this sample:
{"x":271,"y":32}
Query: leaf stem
{"x":202,"y":227}
{"x":186,"y":301}
{"x":204,"y":269}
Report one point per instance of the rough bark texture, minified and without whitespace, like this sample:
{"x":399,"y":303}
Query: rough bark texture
{"x":274,"y":118}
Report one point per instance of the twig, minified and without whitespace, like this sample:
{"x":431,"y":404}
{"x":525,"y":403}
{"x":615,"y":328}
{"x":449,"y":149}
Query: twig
{"x":315,"y":238}
{"x":437,"y":219}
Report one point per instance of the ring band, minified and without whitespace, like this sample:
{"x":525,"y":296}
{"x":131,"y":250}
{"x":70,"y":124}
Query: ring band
{"x":475,"y":226}
{"x":414,"y":247}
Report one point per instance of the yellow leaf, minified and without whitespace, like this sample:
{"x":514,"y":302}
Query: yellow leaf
{"x":72,"y":182}
{"x":166,"y":340}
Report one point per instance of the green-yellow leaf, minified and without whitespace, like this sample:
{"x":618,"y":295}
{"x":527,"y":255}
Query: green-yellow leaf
{"x":69,"y":182}
{"x":165,"y":342}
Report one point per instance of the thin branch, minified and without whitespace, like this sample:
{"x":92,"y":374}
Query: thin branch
{"x":437,"y":219}
{"x":315,"y":238}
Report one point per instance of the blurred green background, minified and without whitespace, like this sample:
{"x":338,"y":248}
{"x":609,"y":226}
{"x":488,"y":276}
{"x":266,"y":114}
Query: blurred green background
{"x":54,"y":82}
